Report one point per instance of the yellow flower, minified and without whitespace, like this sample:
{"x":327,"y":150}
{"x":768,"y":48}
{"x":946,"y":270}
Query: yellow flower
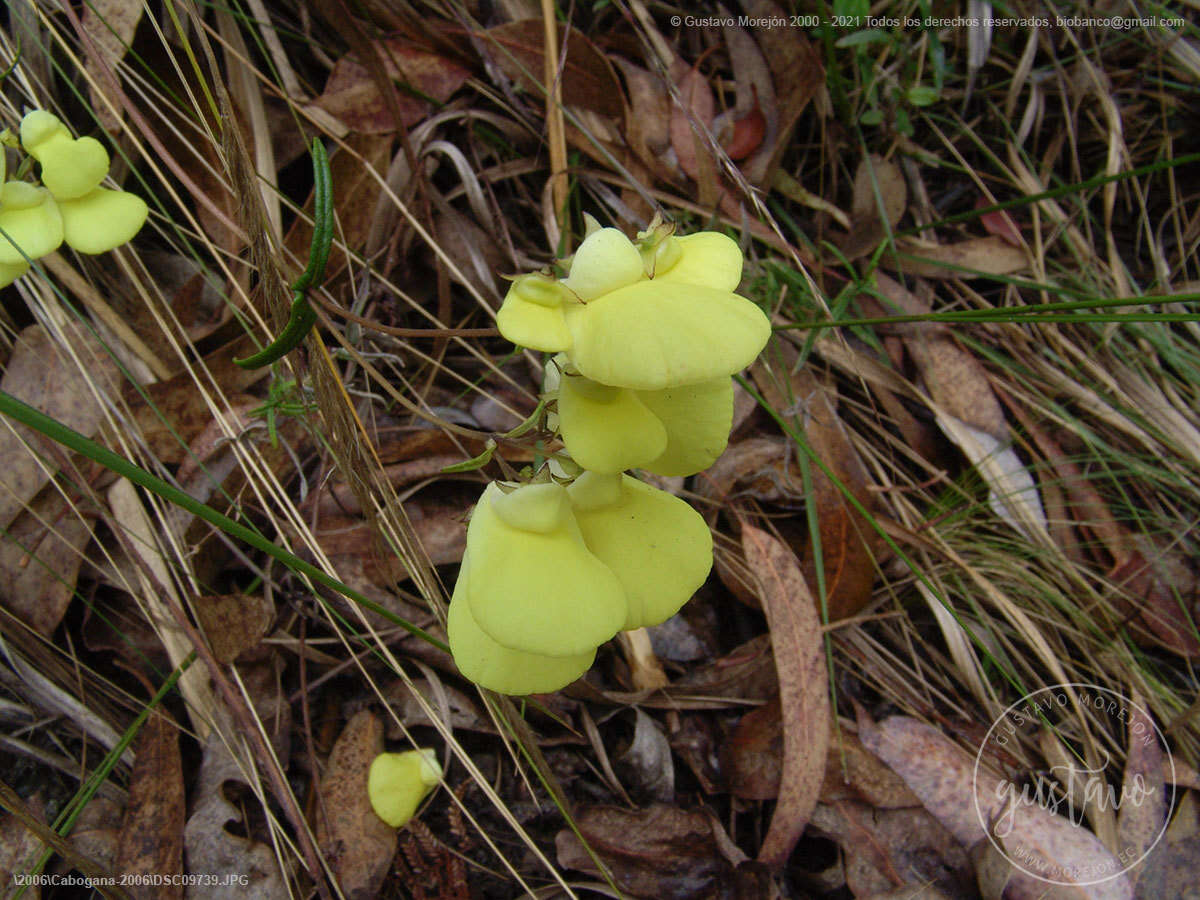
{"x":533,"y":586}
{"x":102,"y":220}
{"x":398,"y":782}
{"x":31,"y":221}
{"x":498,"y":668}
{"x":606,"y":261}
{"x":658,"y":546}
{"x":70,"y":167}
{"x":532,"y":314}
{"x":675,"y":431}
{"x":658,"y":334}
{"x":93,"y":219}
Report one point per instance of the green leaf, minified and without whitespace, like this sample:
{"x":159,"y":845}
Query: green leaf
{"x":922,"y":95}
{"x":861,"y":38}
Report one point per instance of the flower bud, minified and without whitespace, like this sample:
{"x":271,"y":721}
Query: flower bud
{"x":532,"y":314}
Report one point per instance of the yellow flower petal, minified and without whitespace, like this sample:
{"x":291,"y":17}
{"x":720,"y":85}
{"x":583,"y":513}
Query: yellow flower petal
{"x":498,"y":668}
{"x":398,"y":782}
{"x":538,"y":591}
{"x":607,"y":429}
{"x":658,"y":546}
{"x":102,"y":220}
{"x":39,"y":126}
{"x":604,"y":262}
{"x":532,"y":314}
{"x":707,"y":258}
{"x":697,"y":418}
{"x":72,"y":168}
{"x":31,"y":219}
{"x":10,"y":273}
{"x":654,"y":335}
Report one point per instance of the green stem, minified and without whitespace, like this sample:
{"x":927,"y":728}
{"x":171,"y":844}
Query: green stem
{"x":73,"y":440}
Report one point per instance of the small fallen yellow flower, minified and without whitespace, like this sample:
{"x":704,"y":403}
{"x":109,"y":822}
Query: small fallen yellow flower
{"x":657,"y":545}
{"x":533,"y":585}
{"x":398,"y":782}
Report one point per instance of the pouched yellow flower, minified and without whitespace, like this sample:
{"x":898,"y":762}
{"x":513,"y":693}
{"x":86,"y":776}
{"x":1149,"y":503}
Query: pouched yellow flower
{"x":498,"y":668}
{"x":706,"y":258}
{"x":532,"y":314}
{"x":606,"y":429}
{"x":606,"y":261}
{"x":398,"y":782}
{"x":660,"y":334}
{"x":697,"y":418}
{"x":658,"y":546}
{"x":675,"y":431}
{"x":71,"y":167}
{"x":11,"y":272}
{"x":102,"y":220}
{"x":533,"y":585}
{"x":31,"y":220}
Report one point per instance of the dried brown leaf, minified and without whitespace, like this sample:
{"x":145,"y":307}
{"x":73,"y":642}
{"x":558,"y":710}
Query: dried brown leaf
{"x":752,"y":758}
{"x":110,"y":24}
{"x":588,"y":79}
{"x":887,"y":848}
{"x":803,"y":687}
{"x":357,"y":843}
{"x":233,"y":623}
{"x":797,"y":73}
{"x":950,"y":787}
{"x":647,"y":128}
{"x":40,"y":556}
{"x":697,"y":112}
{"x":352,"y":95}
{"x":662,"y":851}
{"x":45,"y":377}
{"x":854,"y":773}
{"x":151,"y":841}
{"x":1142,"y":820}
{"x":210,"y":848}
{"x":965,"y":259}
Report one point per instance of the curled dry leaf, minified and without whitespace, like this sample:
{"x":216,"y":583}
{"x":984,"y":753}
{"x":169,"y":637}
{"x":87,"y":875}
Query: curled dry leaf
{"x":877,"y":204}
{"x":647,"y":762}
{"x":151,"y":840}
{"x":211,"y":848}
{"x":40,"y":556}
{"x":352,"y":95}
{"x":1140,"y":825}
{"x":803,"y":687}
{"x":45,"y":378}
{"x":233,"y":623}
{"x":662,"y":852}
{"x":950,"y":787}
{"x":971,"y":258}
{"x":588,"y":79}
{"x":688,"y":123}
{"x":752,"y":758}
{"x":357,"y":843}
{"x":888,"y":848}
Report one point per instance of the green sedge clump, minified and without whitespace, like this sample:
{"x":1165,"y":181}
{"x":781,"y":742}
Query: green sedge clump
{"x":647,"y":337}
{"x":69,"y":206}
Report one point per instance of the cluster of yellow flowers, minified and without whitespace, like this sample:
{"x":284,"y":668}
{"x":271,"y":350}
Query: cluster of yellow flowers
{"x":647,"y":336}
{"x":69,"y":206}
